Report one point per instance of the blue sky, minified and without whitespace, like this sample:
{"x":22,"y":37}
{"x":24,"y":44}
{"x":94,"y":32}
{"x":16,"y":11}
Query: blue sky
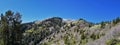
{"x":91,"y":10}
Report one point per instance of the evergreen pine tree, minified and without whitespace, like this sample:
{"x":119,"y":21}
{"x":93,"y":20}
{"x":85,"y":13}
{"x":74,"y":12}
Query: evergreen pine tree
{"x":11,"y":32}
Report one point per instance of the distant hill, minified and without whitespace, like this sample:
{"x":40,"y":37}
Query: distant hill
{"x":59,"y":31}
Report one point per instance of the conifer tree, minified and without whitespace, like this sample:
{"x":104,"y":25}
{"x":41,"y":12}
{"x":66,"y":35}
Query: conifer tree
{"x":11,"y":32}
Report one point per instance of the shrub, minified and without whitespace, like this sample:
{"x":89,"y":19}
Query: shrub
{"x":113,"y":42}
{"x":115,"y":21}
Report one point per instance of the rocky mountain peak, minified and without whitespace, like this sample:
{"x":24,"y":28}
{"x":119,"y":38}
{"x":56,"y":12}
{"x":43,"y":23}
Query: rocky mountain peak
{"x":54,"y":21}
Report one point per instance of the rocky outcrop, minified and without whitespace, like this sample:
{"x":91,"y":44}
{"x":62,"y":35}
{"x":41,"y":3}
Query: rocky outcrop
{"x":54,"y":21}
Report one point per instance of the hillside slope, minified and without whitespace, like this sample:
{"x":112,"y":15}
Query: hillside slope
{"x":56,"y":31}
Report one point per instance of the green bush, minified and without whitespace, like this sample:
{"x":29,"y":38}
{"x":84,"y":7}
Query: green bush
{"x":113,"y":42}
{"x":117,"y":43}
{"x":115,"y":21}
{"x":102,"y":24}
